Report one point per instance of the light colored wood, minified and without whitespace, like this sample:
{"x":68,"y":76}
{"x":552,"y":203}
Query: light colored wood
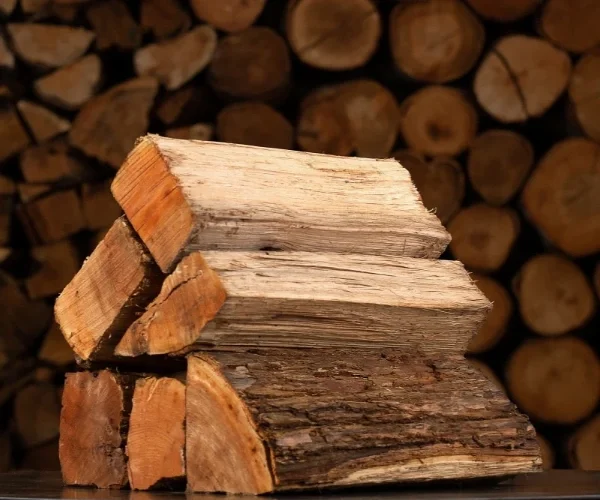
{"x":548,"y":455}
{"x":571,"y":24}
{"x":555,"y":380}
{"x":112,"y":287}
{"x":262,"y":299}
{"x":196,"y":132}
{"x":483,"y":236}
{"x":36,"y":411}
{"x":561,"y":196}
{"x":554,"y":295}
{"x":256,"y":124}
{"x":316,"y":202}
{"x":177,"y":60}
{"x":13,"y":137}
{"x":49,"y":45}
{"x":252,"y":64}
{"x":333,"y":35}
{"x":58,"y":264}
{"x":54,"y":349}
{"x":7,"y":59}
{"x":435,"y":41}
{"x":584,"y":446}
{"x":520,"y":78}
{"x":108,"y":124}
{"x":113,"y":24}
{"x":583,"y":94}
{"x":251,"y":422}
{"x":438,"y":121}
{"x":164,"y":18}
{"x":156,"y":437}
{"x":43,"y":123}
{"x":496,"y":322}
{"x":71,"y":86}
{"x":228,"y":15}
{"x":505,"y":10}
{"x":99,"y":207}
{"x":50,"y":163}
{"x":499,"y":162}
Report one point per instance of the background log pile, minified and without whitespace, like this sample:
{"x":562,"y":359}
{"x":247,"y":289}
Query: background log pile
{"x":492,"y":106}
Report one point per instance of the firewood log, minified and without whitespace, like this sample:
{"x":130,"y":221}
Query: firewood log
{"x":7,"y":6}
{"x":520,"y":78}
{"x":256,"y":124}
{"x":494,"y":326}
{"x":164,"y":18}
{"x":483,"y":236}
{"x":108,"y":124}
{"x":344,"y":214}
{"x":504,"y":11}
{"x":499,"y":162}
{"x":93,"y":427}
{"x":333,"y":35}
{"x":50,"y":163}
{"x":228,"y":15}
{"x":196,"y":132}
{"x":487,"y":372}
{"x":71,"y":86}
{"x":555,"y":380}
{"x":583,"y":94}
{"x":256,"y":299}
{"x":554,"y":295}
{"x":438,"y":121}
{"x":113,"y":24}
{"x":54,"y":349}
{"x":370,"y":417}
{"x":584,"y":446}
{"x":42,"y":458}
{"x":560,"y":197}
{"x":252,"y":64}
{"x":43,"y":123}
{"x":547,"y":452}
{"x":188,"y":105}
{"x":49,"y":45}
{"x":13,"y":136}
{"x":156,"y":438}
{"x":36,"y":414}
{"x":58,"y":264}
{"x":571,"y":24}
{"x":98,"y":205}
{"x":112,"y":287}
{"x":7,"y":59}
{"x":435,"y":41}
{"x":29,"y":192}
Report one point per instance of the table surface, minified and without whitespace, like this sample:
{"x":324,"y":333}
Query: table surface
{"x":557,"y":484}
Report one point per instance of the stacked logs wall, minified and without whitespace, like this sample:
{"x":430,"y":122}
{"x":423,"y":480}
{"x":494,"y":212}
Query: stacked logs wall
{"x":492,"y":106}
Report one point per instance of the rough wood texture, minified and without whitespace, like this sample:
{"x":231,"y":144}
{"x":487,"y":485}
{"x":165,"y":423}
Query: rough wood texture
{"x":36,"y":414}
{"x":554,"y":296}
{"x":583,"y":94}
{"x":555,"y":380}
{"x":328,"y":203}
{"x":309,"y":300}
{"x":571,"y":24}
{"x":58,"y":262}
{"x":112,"y":287}
{"x":505,"y":11}
{"x":435,"y":41}
{"x":43,"y":123}
{"x":333,"y":35}
{"x":156,"y":438}
{"x":13,"y":137}
{"x":99,"y":207}
{"x":50,"y":163}
{"x":561,"y":196}
{"x":164,"y":18}
{"x":520,"y":78}
{"x":370,"y":417}
{"x":584,"y":446}
{"x":113,"y":24}
{"x":93,"y":427}
{"x":228,"y":15}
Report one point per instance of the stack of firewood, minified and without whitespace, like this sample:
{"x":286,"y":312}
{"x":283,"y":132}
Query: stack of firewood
{"x":492,"y":106}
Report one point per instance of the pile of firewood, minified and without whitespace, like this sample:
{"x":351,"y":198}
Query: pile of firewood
{"x":492,"y":107}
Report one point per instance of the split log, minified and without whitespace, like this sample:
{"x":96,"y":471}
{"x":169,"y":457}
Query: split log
{"x":555,"y":380}
{"x":196,"y":132}
{"x":571,"y":24}
{"x":188,"y":105}
{"x":156,"y":438}
{"x":107,"y":294}
{"x":228,"y":15}
{"x":36,"y":413}
{"x":435,"y":41}
{"x":253,"y":64}
{"x":521,"y":77}
{"x":561,"y":196}
{"x":7,"y":6}
{"x":204,"y":210}
{"x":438,"y":121}
{"x":164,"y":18}
{"x":5,"y":254}
{"x":483,"y":236}
{"x":554,"y":295}
{"x":53,"y":217}
{"x":7,"y":59}
{"x":108,"y":125}
{"x":333,"y":35}
{"x":498,"y":164}
{"x":255,"y":124}
{"x":504,"y":11}
{"x":370,"y":417}
{"x":258,"y":299}
{"x":54,"y":349}
{"x":547,"y":452}
{"x":583,"y":94}
{"x":71,"y":86}
{"x":177,"y":60}
{"x":441,"y":182}
{"x":29,"y":192}
{"x":494,"y":326}
{"x":114,"y":26}
{"x":13,"y":137}
{"x":584,"y":446}
{"x":58,"y":264}
{"x":49,"y":45}
{"x":98,"y":205}
{"x":487,"y":372}
{"x":93,"y":424}
{"x":50,"y":163}
{"x":43,"y":123}
{"x":42,"y":458}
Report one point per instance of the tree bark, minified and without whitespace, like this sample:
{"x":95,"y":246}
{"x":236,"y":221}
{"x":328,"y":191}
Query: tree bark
{"x":228,"y":15}
{"x":194,"y":217}
{"x":571,"y":24}
{"x":584,"y":446}
{"x":504,"y":11}
{"x":164,"y":18}
{"x":583,"y":94}
{"x":114,"y":26}
{"x":58,"y":262}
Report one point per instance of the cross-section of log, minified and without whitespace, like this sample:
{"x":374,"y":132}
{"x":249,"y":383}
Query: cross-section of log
{"x":584,"y":446}
{"x":112,"y":287}
{"x":93,"y":426}
{"x":297,"y":299}
{"x":99,"y":207}
{"x":370,"y":417}
{"x":114,"y":25}
{"x":505,"y":11}
{"x":164,"y":18}
{"x":49,"y":163}
{"x":228,"y":15}
{"x":183,"y":196}
{"x":547,"y":452}
{"x":584,"y":95}
{"x":156,"y":437}
{"x":571,"y":24}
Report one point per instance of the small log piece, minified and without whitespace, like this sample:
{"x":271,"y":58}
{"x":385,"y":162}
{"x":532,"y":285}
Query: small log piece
{"x":43,"y":123}
{"x":548,"y":454}
{"x":504,"y":11}
{"x":571,"y":24}
{"x":113,"y":24}
{"x":54,"y":349}
{"x":188,"y":105}
{"x":29,"y":192}
{"x":487,"y":372}
{"x":584,"y":96}
{"x":13,"y":137}
{"x":583,"y":447}
{"x":164,"y":18}
{"x":50,"y":163}
{"x":36,"y":411}
{"x":7,"y":59}
{"x":228,"y":15}
{"x":58,"y":264}
{"x":99,"y":207}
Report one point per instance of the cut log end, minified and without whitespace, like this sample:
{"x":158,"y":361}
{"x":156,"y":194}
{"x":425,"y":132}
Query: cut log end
{"x":571,"y":24}
{"x":584,"y":446}
{"x":583,"y":94}
{"x":504,"y":11}
{"x":228,"y":15}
